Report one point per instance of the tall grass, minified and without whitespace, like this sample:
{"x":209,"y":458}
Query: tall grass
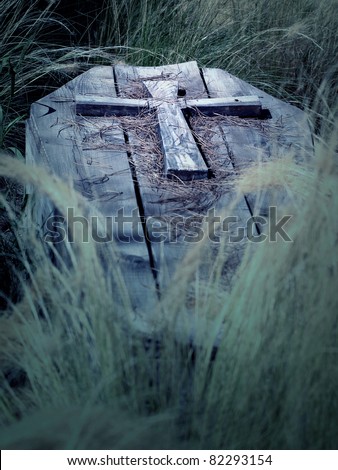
{"x":76,"y":372}
{"x":272,"y":384}
{"x":287,"y":48}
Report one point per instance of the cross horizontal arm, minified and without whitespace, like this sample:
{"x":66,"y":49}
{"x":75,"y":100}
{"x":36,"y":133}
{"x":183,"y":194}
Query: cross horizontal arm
{"x":242,"y":106}
{"x":94,"y":105}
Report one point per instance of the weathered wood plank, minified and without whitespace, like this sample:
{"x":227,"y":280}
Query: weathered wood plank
{"x":54,"y":122}
{"x":242,"y":106}
{"x":288,"y":126}
{"x":162,"y":203}
{"x":97,"y":81}
{"x":59,"y":143}
{"x":233,"y":230}
{"x":287,"y":131}
{"x":109,"y":184}
{"x":190,"y":80}
{"x":182,"y":158}
{"x":186,"y":74}
{"x":117,"y":209}
{"x":163,"y":90}
{"x":93,"y":105}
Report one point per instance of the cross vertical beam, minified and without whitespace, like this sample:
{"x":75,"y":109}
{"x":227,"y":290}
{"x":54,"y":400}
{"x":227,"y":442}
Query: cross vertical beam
{"x":182,"y":158}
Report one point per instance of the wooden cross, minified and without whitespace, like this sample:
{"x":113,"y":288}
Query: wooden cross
{"x":182,"y":158}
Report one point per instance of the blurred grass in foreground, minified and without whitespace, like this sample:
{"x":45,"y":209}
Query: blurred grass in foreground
{"x":273,"y":383}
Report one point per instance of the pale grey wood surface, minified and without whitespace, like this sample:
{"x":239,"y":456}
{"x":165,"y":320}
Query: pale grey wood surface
{"x":288,"y":126}
{"x":182,"y":158}
{"x":94,"y":105}
{"x":110,"y":185}
{"x":187,"y":74}
{"x":103,"y":157}
{"x":56,"y":139}
{"x":242,"y":106}
{"x":112,"y":191}
{"x":286,"y":132}
{"x":162,"y":90}
{"x":161,"y":201}
{"x":97,"y":81}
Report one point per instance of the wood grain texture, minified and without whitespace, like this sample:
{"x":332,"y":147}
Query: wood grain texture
{"x":229,"y":237}
{"x":94,"y":105}
{"x":161,"y":202}
{"x":112,"y":193}
{"x":186,"y":74}
{"x":97,"y":81}
{"x":59,"y":140}
{"x":53,"y":119}
{"x":71,"y":133}
{"x":286,"y":132}
{"x":164,"y":90}
{"x":289,"y":125}
{"x":182,"y":158}
{"x":242,"y":106}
